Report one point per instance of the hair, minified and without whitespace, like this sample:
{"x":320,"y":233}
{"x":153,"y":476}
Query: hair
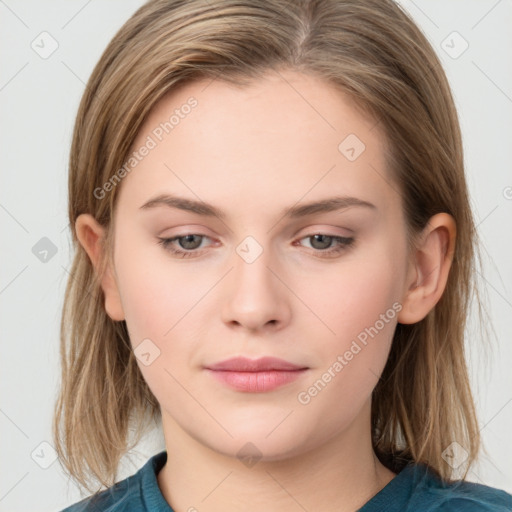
{"x":376,"y":55}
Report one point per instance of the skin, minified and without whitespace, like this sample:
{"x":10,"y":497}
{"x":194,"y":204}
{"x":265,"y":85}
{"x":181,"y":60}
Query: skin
{"x":252,"y":151}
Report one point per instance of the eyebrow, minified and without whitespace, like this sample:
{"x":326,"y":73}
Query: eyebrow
{"x":326,"y":205}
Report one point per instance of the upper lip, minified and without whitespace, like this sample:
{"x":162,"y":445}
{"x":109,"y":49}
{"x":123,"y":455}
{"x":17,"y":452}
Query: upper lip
{"x":243,"y":364}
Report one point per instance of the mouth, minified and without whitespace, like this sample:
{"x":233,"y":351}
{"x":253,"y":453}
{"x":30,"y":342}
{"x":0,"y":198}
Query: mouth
{"x":255,"y":375}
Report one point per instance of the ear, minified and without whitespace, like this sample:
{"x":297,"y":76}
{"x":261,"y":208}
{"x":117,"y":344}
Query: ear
{"x":91,"y":235}
{"x":428,"y":269}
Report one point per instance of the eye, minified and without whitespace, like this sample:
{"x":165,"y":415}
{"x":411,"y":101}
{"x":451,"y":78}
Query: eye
{"x":189,"y":243}
{"x":321,"y":241}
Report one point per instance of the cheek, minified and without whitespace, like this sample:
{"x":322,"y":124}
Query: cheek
{"x":158,"y":302}
{"x":354,"y":296}
{"x":360,"y":307}
{"x":155,"y":293}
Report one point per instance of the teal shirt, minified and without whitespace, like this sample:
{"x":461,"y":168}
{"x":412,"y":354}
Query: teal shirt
{"x":414,"y":489}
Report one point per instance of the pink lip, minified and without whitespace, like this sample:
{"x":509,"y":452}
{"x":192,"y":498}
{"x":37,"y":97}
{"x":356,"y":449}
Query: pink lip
{"x":243,"y":364}
{"x":255,"y":375}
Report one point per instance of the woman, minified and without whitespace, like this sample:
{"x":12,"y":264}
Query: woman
{"x":275,"y":254}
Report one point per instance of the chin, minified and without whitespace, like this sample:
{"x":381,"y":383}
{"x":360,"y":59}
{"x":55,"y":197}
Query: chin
{"x":261,"y":441}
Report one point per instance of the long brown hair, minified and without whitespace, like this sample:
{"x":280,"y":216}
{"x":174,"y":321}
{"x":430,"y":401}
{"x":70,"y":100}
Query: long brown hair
{"x":372,"y":51}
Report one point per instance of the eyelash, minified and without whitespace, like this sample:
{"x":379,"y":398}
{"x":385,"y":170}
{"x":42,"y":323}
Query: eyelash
{"x":345,"y":243}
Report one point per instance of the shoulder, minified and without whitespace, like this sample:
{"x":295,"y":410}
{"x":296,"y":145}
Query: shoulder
{"x":431,"y":493}
{"x":119,"y":498}
{"x":129,"y":495}
{"x":472,"y":497}
{"x":417,"y":488}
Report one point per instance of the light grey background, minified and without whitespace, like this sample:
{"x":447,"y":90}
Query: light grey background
{"x":38,"y":100}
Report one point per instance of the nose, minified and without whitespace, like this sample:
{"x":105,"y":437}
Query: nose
{"x":256,"y":297}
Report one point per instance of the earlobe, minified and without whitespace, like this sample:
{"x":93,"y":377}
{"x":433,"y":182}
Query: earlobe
{"x":91,"y":234}
{"x":429,"y":268}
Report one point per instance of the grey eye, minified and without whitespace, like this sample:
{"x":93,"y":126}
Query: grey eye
{"x":189,"y":242}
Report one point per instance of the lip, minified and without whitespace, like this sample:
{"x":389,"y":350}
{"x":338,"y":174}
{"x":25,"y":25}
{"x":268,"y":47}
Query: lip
{"x":255,"y":375}
{"x":243,"y":364}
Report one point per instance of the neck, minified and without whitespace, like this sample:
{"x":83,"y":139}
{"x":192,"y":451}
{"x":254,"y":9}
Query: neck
{"x":340,"y":475}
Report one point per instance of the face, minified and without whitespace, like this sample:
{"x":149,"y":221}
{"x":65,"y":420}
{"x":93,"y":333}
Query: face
{"x":263,"y":276}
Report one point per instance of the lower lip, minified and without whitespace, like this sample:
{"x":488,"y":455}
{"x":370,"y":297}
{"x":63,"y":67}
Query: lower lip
{"x":257,"y":382}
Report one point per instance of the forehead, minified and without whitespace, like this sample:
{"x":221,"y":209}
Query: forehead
{"x":276,"y":140}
